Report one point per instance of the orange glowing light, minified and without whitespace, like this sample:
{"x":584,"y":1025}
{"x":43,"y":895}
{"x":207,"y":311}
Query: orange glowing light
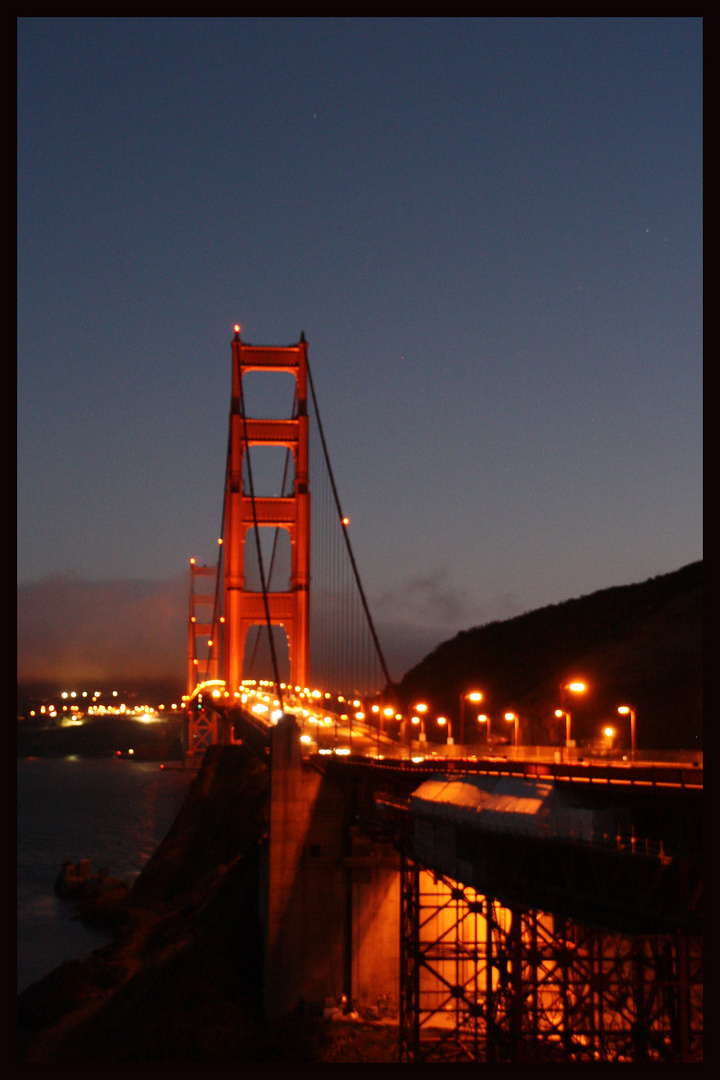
{"x":346,"y":521}
{"x":237,"y":328}
{"x":192,"y":562}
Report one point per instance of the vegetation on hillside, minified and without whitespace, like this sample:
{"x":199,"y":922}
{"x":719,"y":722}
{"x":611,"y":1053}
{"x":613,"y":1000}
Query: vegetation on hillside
{"x":639,"y":645}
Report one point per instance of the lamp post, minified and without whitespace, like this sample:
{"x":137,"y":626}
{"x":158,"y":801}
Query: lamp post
{"x":562,"y":712}
{"x":442,"y":721}
{"x":421,"y":722}
{"x":576,"y":687}
{"x":470,"y":695}
{"x":421,"y":708}
{"x":483,"y":719}
{"x":608,"y":732}
{"x":516,"y":718}
{"x":624,"y":710}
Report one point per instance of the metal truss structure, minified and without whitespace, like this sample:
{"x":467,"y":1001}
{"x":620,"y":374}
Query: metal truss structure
{"x":485,"y":983}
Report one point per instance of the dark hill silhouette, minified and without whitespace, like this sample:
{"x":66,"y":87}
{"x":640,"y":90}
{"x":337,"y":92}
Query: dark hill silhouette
{"x":639,"y":645}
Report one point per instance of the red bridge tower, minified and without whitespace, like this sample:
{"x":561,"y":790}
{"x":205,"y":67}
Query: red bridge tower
{"x":244,"y":608}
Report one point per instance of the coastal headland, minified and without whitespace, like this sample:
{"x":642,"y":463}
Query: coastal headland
{"x":182,"y":978}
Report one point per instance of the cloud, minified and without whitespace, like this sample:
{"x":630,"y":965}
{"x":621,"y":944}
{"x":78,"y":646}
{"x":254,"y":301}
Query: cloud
{"x":135,"y":631}
{"x":130,"y":630}
{"x":427,"y":610}
{"x":429,"y":600}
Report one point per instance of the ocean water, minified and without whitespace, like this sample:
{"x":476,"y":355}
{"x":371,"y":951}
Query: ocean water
{"x":112,"y":811}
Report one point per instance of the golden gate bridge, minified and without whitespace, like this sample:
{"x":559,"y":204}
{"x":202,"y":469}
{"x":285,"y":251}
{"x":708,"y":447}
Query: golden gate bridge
{"x":503,"y":910}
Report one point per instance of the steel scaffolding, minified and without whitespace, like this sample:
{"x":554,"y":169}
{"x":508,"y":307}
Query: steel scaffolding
{"x":484,"y":983}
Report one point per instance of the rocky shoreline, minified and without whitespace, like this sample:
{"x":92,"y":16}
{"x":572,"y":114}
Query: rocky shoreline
{"x":182,"y":978}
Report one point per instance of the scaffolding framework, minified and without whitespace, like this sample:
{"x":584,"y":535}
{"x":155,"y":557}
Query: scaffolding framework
{"x":484,"y":983}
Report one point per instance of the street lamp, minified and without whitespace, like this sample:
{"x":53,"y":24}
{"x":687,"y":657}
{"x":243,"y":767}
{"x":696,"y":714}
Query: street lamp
{"x":421,"y":707}
{"x":576,"y":687}
{"x":516,"y":718}
{"x":624,"y":710}
{"x":483,"y":719}
{"x":421,"y":722}
{"x":442,"y":721}
{"x":609,"y":732}
{"x":470,"y":695}
{"x":559,"y":713}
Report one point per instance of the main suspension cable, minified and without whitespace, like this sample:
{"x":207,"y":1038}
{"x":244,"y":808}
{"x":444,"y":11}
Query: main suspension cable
{"x":263,"y":582}
{"x":288,"y":454}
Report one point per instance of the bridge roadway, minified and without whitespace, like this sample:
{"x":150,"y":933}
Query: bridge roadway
{"x":640,"y":873}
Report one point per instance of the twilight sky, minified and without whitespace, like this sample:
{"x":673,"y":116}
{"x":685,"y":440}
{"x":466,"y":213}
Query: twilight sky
{"x":490,"y":231}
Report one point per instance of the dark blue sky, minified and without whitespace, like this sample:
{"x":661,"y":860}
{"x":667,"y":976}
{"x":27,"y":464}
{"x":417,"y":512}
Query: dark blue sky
{"x":490,"y":231}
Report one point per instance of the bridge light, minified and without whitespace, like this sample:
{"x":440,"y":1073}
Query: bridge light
{"x":237,"y":328}
{"x":305,"y":739}
{"x":192,"y":562}
{"x":576,"y":687}
{"x":346,"y":521}
{"x":220,"y":539}
{"x":442,"y":720}
{"x":422,"y":707}
{"x":388,"y":711}
{"x":414,"y":719}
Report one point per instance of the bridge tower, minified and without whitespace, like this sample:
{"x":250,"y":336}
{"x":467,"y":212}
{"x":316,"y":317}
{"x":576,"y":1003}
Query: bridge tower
{"x":243,"y":607}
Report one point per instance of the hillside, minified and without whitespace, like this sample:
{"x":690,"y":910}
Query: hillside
{"x":633,"y":644}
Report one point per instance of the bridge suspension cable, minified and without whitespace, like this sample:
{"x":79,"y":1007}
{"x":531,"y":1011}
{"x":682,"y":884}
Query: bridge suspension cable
{"x":341,"y":574}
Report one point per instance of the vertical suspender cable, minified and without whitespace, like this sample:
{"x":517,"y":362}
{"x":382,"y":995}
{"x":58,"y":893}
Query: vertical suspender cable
{"x":368,"y":616}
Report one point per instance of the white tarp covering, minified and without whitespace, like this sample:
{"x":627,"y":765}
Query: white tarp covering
{"x":504,"y":804}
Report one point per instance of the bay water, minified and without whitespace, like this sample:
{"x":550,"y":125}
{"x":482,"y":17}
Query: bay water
{"x":112,"y":811}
